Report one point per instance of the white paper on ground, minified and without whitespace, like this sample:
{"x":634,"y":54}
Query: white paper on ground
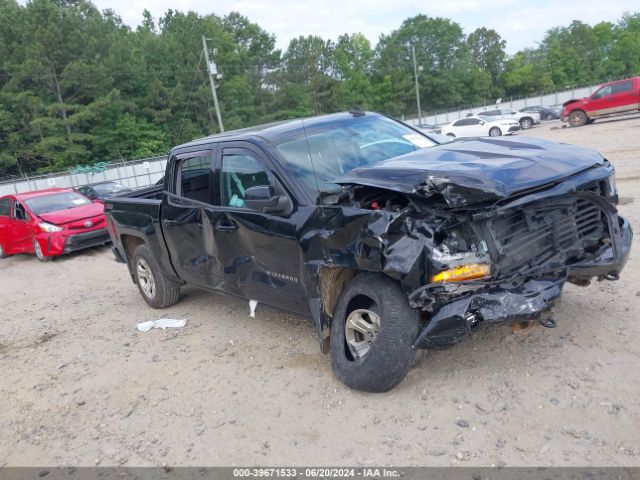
{"x":252,"y":308}
{"x":161,"y":323}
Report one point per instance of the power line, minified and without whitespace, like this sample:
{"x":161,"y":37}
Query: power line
{"x":195,"y":77}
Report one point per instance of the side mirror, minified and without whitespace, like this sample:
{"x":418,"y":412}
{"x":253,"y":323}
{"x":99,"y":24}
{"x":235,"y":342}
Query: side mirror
{"x":482,"y":122}
{"x":262,"y":198}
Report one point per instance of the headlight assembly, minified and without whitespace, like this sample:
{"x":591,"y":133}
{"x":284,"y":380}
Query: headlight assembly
{"x":48,"y":228}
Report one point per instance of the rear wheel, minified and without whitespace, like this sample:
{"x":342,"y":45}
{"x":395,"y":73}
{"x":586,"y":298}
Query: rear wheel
{"x":156,"y":289}
{"x":38,"y":251}
{"x":577,"y":118}
{"x":495,"y":132}
{"x":372,"y":333}
{"x":451,"y":135}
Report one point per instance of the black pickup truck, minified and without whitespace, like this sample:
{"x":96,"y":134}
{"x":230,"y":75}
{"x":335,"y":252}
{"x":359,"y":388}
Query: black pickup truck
{"x":387,"y":239}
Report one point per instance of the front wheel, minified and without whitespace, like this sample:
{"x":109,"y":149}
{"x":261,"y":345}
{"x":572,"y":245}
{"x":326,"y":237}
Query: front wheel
{"x":156,"y":289}
{"x":38,"y":251}
{"x":451,"y":135}
{"x":577,"y":118}
{"x":372,"y":333}
{"x":526,"y":123}
{"x":495,"y":132}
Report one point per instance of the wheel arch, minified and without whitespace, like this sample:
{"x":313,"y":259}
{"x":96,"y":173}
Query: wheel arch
{"x":332,"y":282}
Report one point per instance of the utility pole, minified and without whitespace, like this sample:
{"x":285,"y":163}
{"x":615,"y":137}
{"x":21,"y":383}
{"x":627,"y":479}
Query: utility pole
{"x":415,"y":73}
{"x":213,"y":76}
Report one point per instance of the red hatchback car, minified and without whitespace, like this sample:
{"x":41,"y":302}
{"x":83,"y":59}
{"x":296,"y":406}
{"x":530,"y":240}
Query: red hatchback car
{"x":50,"y":223}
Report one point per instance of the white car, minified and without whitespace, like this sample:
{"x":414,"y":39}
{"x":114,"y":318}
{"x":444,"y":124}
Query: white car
{"x":480,"y":127}
{"x":525,"y":119}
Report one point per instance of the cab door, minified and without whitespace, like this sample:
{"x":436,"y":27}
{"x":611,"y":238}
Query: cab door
{"x":600,"y":102}
{"x":258,"y":247}
{"x":185,"y":223}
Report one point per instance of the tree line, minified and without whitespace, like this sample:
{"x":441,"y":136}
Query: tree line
{"x":78,"y":86}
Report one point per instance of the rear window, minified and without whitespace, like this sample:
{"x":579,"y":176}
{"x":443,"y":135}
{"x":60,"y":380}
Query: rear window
{"x":56,"y":202}
{"x":5,"y":207}
{"x":623,"y":87}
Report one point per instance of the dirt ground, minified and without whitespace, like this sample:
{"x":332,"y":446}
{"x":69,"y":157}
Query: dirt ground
{"x":81,"y":386}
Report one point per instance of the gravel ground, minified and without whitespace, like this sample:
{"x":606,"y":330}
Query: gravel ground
{"x":80,"y":386}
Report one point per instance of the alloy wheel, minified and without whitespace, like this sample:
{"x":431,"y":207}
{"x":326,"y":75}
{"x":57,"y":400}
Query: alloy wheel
{"x":38,"y":250}
{"x":361,"y":329}
{"x":145,"y":278}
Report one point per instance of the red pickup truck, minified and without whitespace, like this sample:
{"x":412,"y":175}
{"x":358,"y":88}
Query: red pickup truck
{"x":615,"y":97}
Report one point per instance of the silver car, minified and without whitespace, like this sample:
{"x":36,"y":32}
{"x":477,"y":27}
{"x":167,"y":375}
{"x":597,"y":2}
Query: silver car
{"x":525,"y":119}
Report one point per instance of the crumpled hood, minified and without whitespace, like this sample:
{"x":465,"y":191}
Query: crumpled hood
{"x":62,"y":217}
{"x":475,"y":170}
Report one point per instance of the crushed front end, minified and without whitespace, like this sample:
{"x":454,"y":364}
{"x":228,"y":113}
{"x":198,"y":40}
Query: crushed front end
{"x":508,"y":261}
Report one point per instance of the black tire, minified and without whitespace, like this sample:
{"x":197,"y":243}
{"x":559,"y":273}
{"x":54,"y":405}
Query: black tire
{"x":495,"y":132}
{"x":38,"y":252}
{"x":590,"y":121}
{"x":526,"y":123}
{"x":578,"y":118}
{"x":390,"y":356}
{"x":451,"y":135}
{"x":164,"y":292}
{"x":2,"y":254}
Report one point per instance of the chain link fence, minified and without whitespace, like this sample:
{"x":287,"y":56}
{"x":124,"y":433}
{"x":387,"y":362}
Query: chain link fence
{"x":442,"y":117}
{"x":133,"y":174}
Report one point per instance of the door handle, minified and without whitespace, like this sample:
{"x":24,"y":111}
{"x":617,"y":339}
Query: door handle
{"x":226,"y":227}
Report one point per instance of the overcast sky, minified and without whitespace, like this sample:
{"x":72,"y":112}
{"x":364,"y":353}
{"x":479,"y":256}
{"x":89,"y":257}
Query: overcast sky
{"x":521,"y":23}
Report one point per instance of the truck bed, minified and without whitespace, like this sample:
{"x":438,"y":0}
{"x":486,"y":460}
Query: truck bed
{"x":134,"y":213}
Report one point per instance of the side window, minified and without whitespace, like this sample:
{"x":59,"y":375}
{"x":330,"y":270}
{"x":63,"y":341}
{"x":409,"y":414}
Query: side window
{"x":19,"y":213}
{"x":193,"y":180}
{"x":473,"y":121}
{"x":5,"y":207}
{"x":459,"y":123}
{"x":240,"y":171}
{"x":606,"y":90}
{"x":623,"y":87}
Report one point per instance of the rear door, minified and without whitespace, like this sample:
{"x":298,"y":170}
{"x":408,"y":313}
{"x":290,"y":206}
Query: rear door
{"x":624,"y":97}
{"x":185,"y":223}
{"x":259,"y":251}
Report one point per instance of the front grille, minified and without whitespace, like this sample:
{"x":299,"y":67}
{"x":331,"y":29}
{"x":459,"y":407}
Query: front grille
{"x":86,"y":240}
{"x":567,"y":228}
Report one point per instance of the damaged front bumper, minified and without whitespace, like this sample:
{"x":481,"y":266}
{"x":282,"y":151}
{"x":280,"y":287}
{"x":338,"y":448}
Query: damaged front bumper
{"x":515,"y":300}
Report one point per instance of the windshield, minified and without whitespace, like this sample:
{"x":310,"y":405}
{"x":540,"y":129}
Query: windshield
{"x":109,"y":188}
{"x":56,"y":202}
{"x":329,"y":152}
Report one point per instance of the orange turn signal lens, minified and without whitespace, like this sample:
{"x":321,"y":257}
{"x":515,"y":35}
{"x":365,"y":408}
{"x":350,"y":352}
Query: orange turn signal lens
{"x":462,"y":272}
